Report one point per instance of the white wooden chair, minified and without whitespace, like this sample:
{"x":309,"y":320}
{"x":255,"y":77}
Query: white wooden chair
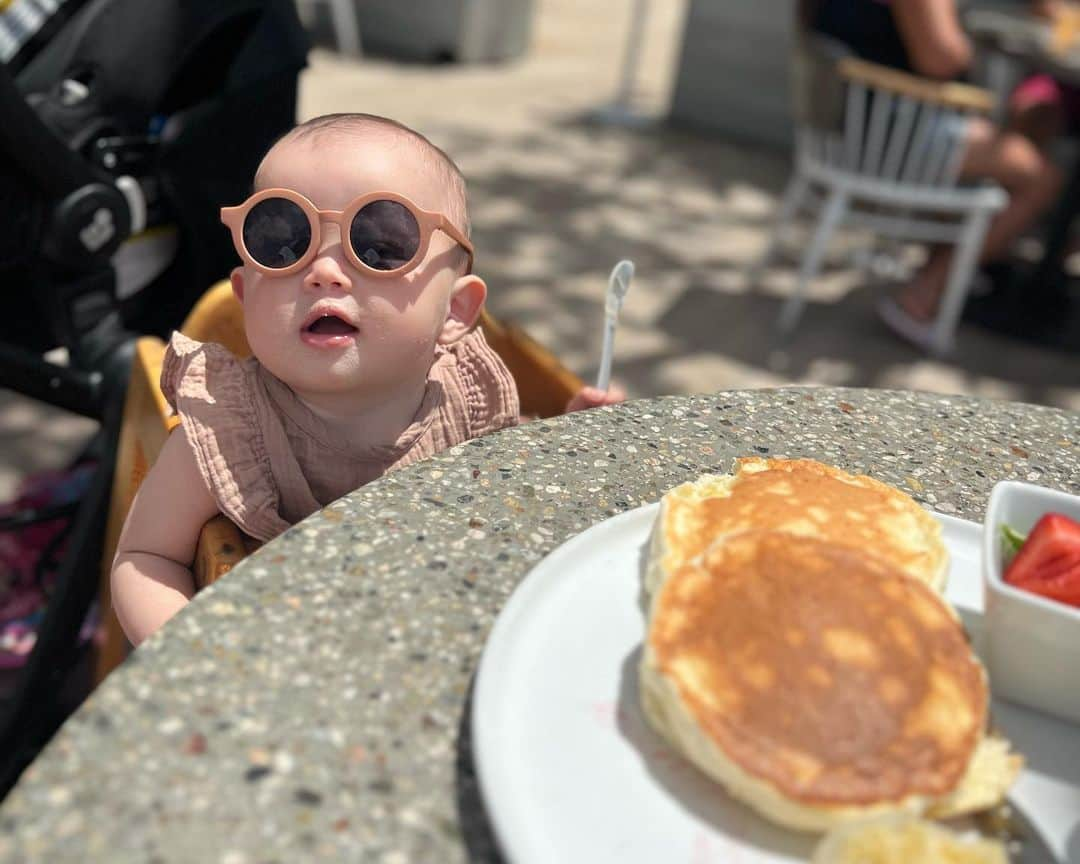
{"x":890,"y":164}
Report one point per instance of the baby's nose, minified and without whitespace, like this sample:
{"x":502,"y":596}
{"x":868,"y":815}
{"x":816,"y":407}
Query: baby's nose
{"x":326,"y":272}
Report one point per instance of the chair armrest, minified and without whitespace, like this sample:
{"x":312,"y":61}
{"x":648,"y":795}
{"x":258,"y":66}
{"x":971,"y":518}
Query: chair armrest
{"x":544,"y":385}
{"x":948,"y":94}
{"x":143,"y":433}
{"x":221,"y":547}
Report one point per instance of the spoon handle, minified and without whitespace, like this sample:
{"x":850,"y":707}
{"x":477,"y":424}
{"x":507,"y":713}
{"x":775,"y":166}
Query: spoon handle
{"x":603,"y":378}
{"x":618,"y":285}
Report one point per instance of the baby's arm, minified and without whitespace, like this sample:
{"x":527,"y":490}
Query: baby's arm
{"x":151,"y":573}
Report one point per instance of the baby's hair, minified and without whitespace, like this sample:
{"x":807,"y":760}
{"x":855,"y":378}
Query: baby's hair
{"x":436,"y":157}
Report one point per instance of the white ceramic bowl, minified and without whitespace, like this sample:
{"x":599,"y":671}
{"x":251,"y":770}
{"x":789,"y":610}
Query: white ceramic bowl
{"x":1032,"y":643}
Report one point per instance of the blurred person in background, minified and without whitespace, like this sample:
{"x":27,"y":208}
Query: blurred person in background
{"x":1041,"y":107}
{"x":925,"y":38}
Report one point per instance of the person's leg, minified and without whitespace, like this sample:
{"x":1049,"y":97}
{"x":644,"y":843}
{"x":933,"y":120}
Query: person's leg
{"x":1030,"y":178}
{"x":1037,"y":109}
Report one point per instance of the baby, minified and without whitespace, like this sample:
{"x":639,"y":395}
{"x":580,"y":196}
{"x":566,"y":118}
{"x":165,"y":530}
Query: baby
{"x":359,"y":304}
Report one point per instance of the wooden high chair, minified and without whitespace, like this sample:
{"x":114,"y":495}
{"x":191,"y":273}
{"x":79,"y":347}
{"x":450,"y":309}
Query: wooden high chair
{"x":544,"y":387}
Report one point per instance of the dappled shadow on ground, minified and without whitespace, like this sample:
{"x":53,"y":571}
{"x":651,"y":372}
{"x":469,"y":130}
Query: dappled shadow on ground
{"x":850,"y":346}
{"x":554,"y":210}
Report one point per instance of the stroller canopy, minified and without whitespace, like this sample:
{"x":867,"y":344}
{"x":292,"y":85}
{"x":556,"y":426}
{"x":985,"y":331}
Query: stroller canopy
{"x":184,"y":96}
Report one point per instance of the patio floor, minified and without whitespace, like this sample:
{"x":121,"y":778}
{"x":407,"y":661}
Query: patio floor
{"x":557,"y":198}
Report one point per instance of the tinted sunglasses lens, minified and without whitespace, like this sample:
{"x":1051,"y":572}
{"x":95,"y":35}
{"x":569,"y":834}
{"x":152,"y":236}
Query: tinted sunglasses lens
{"x":277,"y":232}
{"x":384,"y":235}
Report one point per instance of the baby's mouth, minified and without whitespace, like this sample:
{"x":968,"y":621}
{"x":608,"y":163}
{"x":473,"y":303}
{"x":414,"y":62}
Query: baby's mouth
{"x":330,"y":325}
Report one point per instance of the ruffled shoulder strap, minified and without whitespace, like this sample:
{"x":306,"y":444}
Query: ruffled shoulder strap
{"x":214,"y":394}
{"x":477,"y":376}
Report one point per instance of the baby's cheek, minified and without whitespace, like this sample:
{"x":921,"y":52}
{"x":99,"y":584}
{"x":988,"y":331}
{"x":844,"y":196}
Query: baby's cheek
{"x":402,"y":346}
{"x":266,"y":324}
{"x":415,"y":324}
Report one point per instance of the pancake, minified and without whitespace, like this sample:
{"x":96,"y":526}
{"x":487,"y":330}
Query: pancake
{"x":818,"y":684}
{"x":802,"y":497}
{"x":992,"y":770}
{"x":905,"y":841}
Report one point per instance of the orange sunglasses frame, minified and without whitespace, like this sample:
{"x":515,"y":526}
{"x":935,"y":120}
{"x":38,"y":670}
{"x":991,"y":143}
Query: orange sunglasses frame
{"x":427,"y":221}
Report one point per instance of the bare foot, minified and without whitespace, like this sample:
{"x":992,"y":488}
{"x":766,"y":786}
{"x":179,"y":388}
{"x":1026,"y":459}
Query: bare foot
{"x":920,"y":298}
{"x":919,"y":303}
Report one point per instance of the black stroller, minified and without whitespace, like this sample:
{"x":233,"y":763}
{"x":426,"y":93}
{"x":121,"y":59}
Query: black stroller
{"x":124,"y":126}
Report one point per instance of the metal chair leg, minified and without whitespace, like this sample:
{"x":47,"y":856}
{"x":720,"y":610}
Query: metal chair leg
{"x":831,"y":217}
{"x":956,"y":287}
{"x":794,"y":196}
{"x":346,"y":26}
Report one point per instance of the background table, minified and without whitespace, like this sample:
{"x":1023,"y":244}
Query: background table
{"x":1024,"y":37}
{"x":313,"y":705}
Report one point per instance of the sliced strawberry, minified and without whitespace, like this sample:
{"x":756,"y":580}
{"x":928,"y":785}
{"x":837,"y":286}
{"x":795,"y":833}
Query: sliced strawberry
{"x":1048,"y":563}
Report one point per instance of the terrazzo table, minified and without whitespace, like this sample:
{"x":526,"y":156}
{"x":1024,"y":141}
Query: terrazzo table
{"x":313,"y":705}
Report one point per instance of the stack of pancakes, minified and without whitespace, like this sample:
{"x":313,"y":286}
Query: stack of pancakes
{"x":799,"y":650}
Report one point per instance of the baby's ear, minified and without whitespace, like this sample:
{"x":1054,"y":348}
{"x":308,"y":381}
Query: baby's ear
{"x":466,"y":300}
{"x":237,"y":279}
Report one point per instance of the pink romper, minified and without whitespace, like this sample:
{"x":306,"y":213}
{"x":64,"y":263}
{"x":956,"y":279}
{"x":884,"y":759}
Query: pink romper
{"x":270,"y":461}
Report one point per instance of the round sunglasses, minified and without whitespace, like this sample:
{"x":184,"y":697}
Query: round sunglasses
{"x":278,"y":232}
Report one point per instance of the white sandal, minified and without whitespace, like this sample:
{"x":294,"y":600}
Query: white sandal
{"x":918,"y":333}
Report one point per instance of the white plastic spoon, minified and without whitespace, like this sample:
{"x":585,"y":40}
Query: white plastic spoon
{"x":618,"y":285}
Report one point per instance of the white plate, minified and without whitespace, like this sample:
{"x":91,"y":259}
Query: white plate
{"x":570,"y":771}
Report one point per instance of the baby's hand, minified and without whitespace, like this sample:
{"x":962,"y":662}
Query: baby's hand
{"x":591,"y":397}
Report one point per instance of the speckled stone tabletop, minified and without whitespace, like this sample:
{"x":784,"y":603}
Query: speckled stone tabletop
{"x":314,"y":704}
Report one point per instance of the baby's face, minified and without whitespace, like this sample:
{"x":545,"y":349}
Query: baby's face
{"x":397,"y":320}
